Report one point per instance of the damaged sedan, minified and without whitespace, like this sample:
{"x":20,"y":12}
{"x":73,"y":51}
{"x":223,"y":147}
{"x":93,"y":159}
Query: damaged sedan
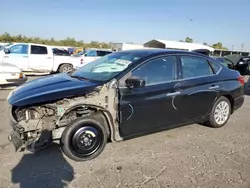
{"x":120,"y":96}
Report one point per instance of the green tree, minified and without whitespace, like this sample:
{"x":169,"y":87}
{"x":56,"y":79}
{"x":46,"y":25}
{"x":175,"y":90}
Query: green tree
{"x":72,"y":42}
{"x":219,"y":46}
{"x":189,"y":40}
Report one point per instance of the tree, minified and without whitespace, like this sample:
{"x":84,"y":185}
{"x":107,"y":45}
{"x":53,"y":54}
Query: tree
{"x":219,"y":46}
{"x":72,"y":42}
{"x":189,"y":40}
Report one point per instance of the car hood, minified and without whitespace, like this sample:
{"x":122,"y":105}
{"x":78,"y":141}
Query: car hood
{"x":49,"y":88}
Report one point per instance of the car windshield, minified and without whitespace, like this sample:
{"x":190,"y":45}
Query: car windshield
{"x":5,"y":46}
{"x":108,"y":66}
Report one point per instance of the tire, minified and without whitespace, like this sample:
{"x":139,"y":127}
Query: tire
{"x":65,"y":68}
{"x":214,"y":120}
{"x":83,"y":139}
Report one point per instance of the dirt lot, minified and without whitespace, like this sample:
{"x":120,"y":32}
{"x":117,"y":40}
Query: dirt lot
{"x":191,"y":156}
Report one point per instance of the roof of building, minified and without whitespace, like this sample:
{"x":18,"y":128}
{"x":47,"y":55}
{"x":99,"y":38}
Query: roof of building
{"x":177,"y":45}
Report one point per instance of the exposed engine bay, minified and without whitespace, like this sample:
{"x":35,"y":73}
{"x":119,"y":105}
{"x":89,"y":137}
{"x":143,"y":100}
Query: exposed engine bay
{"x":41,"y":124}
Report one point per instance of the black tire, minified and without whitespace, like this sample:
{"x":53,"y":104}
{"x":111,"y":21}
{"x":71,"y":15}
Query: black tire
{"x":73,"y":143}
{"x":212,"y":117}
{"x":65,"y":68}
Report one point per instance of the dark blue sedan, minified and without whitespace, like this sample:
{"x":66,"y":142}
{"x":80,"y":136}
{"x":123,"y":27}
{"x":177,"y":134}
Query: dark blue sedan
{"x":120,"y":96}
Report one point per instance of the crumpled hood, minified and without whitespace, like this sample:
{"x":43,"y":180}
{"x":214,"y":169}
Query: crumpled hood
{"x":49,"y":88}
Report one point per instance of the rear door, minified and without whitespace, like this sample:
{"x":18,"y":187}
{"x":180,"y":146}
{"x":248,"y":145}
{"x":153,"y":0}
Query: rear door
{"x":18,"y":56}
{"x":40,"y":58}
{"x":199,"y":87}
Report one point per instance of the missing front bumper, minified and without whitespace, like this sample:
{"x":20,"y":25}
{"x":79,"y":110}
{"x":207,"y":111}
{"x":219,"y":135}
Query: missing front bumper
{"x":18,"y":143}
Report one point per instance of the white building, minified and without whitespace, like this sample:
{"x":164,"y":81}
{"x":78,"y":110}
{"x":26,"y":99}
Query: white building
{"x":161,"y":44}
{"x":176,"y":45}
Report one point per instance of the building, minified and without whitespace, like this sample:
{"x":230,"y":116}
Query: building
{"x":166,"y":44}
{"x":174,"y":45}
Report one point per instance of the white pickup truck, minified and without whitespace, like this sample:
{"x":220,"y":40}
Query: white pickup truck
{"x":36,"y":58}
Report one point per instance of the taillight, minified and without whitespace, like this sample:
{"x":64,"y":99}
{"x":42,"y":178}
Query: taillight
{"x":241,"y":80}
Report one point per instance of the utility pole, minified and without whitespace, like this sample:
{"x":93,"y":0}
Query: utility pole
{"x":242,"y":47}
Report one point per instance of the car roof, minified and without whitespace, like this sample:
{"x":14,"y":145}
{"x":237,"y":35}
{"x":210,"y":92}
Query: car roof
{"x":161,"y":51}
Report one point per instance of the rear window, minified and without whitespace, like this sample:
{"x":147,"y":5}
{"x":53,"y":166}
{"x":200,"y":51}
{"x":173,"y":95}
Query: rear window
{"x":38,"y":49}
{"x":103,"y":53}
{"x":215,"y":67}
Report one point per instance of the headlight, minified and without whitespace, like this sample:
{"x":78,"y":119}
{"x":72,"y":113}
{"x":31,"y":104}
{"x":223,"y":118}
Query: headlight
{"x":240,"y":63}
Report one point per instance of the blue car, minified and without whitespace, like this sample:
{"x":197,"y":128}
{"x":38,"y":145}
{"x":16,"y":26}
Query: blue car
{"x":121,"y":96}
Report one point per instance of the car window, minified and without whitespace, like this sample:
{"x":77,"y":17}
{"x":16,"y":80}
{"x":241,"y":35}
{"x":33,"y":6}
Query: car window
{"x":91,"y":53}
{"x":195,"y":67}
{"x":38,"y":49}
{"x":102,"y":53}
{"x":215,"y":67}
{"x":157,"y":71}
{"x":19,"y":49}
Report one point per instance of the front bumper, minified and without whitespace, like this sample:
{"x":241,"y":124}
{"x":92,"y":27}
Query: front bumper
{"x":15,"y":138}
{"x":16,"y":82}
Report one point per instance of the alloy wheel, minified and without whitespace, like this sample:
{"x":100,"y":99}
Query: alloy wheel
{"x":221,"y":112}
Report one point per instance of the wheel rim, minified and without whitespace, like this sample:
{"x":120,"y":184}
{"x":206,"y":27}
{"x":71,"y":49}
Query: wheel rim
{"x":67,"y":69}
{"x":86,"y":141}
{"x":221,"y":112}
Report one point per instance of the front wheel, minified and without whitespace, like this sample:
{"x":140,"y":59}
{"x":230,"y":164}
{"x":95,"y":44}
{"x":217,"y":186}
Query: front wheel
{"x":83,"y":139}
{"x":220,"y":113}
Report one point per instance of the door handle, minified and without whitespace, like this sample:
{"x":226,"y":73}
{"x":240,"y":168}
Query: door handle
{"x":25,"y":56}
{"x":173,"y":94}
{"x":214,"y":87}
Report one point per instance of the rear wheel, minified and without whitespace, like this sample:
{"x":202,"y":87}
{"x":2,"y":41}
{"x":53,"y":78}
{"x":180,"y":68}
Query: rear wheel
{"x":220,"y":113}
{"x":83,"y":139}
{"x":65,"y":68}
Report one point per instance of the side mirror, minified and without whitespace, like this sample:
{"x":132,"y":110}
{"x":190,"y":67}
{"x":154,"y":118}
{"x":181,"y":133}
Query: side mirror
{"x":6,"y":50}
{"x":135,"y":82}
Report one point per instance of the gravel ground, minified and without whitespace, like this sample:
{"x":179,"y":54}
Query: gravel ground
{"x":190,"y":156}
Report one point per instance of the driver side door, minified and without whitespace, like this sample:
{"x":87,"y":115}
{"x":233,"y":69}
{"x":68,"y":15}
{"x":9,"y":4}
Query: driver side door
{"x":149,"y":108}
{"x":18,"y":56}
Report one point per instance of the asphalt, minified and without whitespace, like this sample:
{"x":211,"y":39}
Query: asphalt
{"x":190,"y":156}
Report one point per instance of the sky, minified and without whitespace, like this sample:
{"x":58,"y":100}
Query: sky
{"x":137,"y":21}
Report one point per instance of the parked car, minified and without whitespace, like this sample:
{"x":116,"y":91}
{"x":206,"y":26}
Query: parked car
{"x":90,"y":55}
{"x":11,"y":75}
{"x":120,"y":96}
{"x":36,"y":58}
{"x":226,"y":62}
{"x":234,"y":61}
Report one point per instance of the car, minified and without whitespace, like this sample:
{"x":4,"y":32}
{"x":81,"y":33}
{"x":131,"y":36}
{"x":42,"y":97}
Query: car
{"x":90,"y":55}
{"x":11,"y":76}
{"x":121,"y":96}
{"x":36,"y":58}
{"x":236,"y":62}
